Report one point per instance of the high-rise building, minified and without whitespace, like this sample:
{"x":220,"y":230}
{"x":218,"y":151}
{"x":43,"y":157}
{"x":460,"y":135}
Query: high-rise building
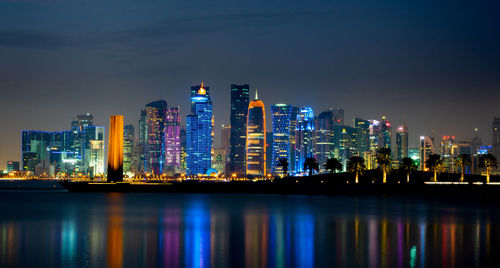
{"x":324,"y":146}
{"x":115,"y":149}
{"x":12,"y":166}
{"x":183,"y":149}
{"x":173,"y":139}
{"x":426,"y":148}
{"x":449,"y":151}
{"x":35,"y":149}
{"x":219,"y":162}
{"x":495,"y":142}
{"x":374,"y":135}
{"x":269,"y":151}
{"x":284,"y":120}
{"x":304,"y":138}
{"x":238,"y":119}
{"x":385,"y":133}
{"x":256,"y":138}
{"x":93,"y":150}
{"x":225,"y":139}
{"x":344,"y":143}
{"x":362,"y":134}
{"x":128,"y":148}
{"x":476,"y":142}
{"x":155,"y":118}
{"x":338,"y":116}
{"x":142,"y":144}
{"x":199,"y":134}
{"x":401,"y":143}
{"x":82,"y":121}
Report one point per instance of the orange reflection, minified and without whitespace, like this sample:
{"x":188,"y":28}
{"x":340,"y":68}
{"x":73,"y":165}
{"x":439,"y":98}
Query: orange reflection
{"x":115,"y":231}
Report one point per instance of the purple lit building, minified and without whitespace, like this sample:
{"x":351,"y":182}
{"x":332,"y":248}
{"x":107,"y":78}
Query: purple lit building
{"x":155,"y":119}
{"x":173,"y":139}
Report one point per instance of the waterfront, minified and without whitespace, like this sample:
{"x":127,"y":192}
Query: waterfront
{"x":57,"y":228}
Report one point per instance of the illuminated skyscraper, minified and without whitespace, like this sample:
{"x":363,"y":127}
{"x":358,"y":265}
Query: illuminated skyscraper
{"x":155,"y":118}
{"x":449,"y":152}
{"x":496,"y":138}
{"x":173,"y":139}
{"x":142,"y":144}
{"x":374,"y":135}
{"x":324,"y":138}
{"x":82,"y":121}
{"x":115,"y":149}
{"x":35,"y":149}
{"x":256,"y":138}
{"x":426,"y":148}
{"x":284,"y":121}
{"x":93,"y":150}
{"x":344,"y":143}
{"x":401,"y":143}
{"x":199,"y":134}
{"x":304,"y":138}
{"x":226,"y":137}
{"x":128,"y":148}
{"x":385,"y":133}
{"x":239,"y":111}
{"x":362,"y":134}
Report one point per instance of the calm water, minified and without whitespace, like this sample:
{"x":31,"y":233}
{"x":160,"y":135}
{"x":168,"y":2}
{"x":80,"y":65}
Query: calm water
{"x":42,"y":229}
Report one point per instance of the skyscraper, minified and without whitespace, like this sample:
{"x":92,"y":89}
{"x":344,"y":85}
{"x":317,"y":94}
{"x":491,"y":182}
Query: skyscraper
{"x":362,"y":133}
{"x":226,"y":137}
{"x":155,"y":118}
{"x":284,"y":118}
{"x":385,"y":133}
{"x":173,"y":139}
{"x":304,"y":137}
{"x":82,"y":121}
{"x":426,"y":148}
{"x":128,"y":148}
{"x":35,"y":149}
{"x":401,"y":143}
{"x":93,"y":158}
{"x":142,"y":144}
{"x":238,"y":119}
{"x":324,"y":147}
{"x":199,"y":134}
{"x":495,"y":142}
{"x":338,"y":116}
{"x":115,"y":149}
{"x":256,"y":138}
{"x":344,"y":143}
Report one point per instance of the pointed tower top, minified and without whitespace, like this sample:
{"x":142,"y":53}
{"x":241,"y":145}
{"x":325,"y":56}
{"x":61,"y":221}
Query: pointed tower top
{"x":256,"y":95}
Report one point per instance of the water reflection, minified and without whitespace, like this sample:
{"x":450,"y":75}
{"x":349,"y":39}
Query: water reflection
{"x":118,"y":230}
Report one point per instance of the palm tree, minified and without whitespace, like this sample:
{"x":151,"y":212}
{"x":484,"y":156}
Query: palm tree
{"x":463,"y":161}
{"x":356,"y":164}
{"x":489,"y":162}
{"x":312,"y":164}
{"x":283,"y":162}
{"x":408,"y":164}
{"x":332,"y":164}
{"x":383,"y":156}
{"x":435,"y":164}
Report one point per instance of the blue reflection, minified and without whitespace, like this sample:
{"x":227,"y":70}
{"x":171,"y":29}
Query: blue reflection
{"x":197,"y":236}
{"x":68,"y":242}
{"x":304,"y":240}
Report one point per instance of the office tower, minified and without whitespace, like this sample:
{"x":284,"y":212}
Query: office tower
{"x":338,"y":116}
{"x":219,"y":162}
{"x":173,"y":139}
{"x":155,"y":118}
{"x":128,"y":148}
{"x":115,"y":149}
{"x":71,"y":150}
{"x":344,"y":143}
{"x":385,"y":133}
{"x":284,"y":120}
{"x":142,"y":144}
{"x":449,"y":151}
{"x":304,"y":138}
{"x":183,"y":149}
{"x":476,"y":141}
{"x":324,"y":146}
{"x":35,"y":150}
{"x":226,"y":137}
{"x":426,"y":148}
{"x":82,"y":121}
{"x":269,"y":151}
{"x":12,"y":166}
{"x":401,"y":143}
{"x":93,"y":158}
{"x":238,"y":120}
{"x":256,"y":138}
{"x":495,"y":142}
{"x":199,"y":134}
{"x":374,"y":135}
{"x":362,"y":135}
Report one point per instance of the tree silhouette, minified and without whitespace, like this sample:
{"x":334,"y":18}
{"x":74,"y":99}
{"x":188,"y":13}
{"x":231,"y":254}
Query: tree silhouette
{"x":383,"y":157}
{"x":332,"y":164}
{"x":435,"y":164}
{"x":489,"y":162}
{"x":356,"y":165}
{"x":463,"y":161}
{"x":312,"y":164}
{"x":283,"y":162}
{"x":408,"y":165}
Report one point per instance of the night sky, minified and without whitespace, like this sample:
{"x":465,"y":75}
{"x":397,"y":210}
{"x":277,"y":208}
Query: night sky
{"x":435,"y":64}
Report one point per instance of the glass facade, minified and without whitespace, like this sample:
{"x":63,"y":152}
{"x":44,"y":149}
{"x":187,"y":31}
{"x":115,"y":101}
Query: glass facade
{"x":128,"y":148}
{"x":284,"y":118}
{"x":155,"y":118}
{"x":256,"y":138}
{"x":304,"y":138}
{"x":239,"y":111}
{"x":173,"y":139}
{"x":324,"y":146}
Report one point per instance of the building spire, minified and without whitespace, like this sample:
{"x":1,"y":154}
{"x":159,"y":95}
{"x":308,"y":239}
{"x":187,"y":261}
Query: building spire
{"x":256,"y":95}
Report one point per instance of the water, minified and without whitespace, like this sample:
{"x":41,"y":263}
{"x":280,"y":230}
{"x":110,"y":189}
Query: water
{"x":60,"y":229}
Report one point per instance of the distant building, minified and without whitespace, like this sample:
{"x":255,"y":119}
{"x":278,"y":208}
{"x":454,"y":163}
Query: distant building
{"x":401,"y":143}
{"x":344,"y":143}
{"x":284,"y":120}
{"x":476,"y":142}
{"x":128,"y":148}
{"x":219,"y":162}
{"x":269,"y":151}
{"x":426,"y":148}
{"x":12,"y":166}
{"x":324,"y":146}
{"x":256,"y":138}
{"x":142,"y":144}
{"x":93,"y":150}
{"x":449,"y":152}
{"x":199,"y":134}
{"x":495,"y":143}
{"x":226,"y":137}
{"x":362,"y":133}
{"x":374,"y":135}
{"x":35,"y":149}
{"x":155,"y":118}
{"x":239,"y":111}
{"x":304,"y":138}
{"x":338,"y":116}
{"x":82,"y":121}
{"x":385,"y":137}
{"x":173,"y":139}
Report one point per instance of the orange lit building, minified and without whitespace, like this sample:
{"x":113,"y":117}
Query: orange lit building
{"x":115,"y":149}
{"x":256,"y":138}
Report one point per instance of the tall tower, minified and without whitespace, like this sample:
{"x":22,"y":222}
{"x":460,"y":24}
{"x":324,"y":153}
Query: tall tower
{"x":426,"y":148}
{"x":155,"y":119}
{"x":256,"y":138}
{"x":173,"y":139}
{"x":82,"y":121}
{"x":115,"y":149}
{"x":199,"y":133}
{"x":385,"y":133}
{"x":239,"y":112}
{"x":284,"y":119}
{"x":362,"y":133}
{"x":304,"y":137}
{"x":142,"y":148}
{"x":401,"y":143}
{"x":128,"y":148}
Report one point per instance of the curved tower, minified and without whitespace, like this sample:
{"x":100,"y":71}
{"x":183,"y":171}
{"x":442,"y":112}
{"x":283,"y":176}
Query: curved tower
{"x":256,"y":138}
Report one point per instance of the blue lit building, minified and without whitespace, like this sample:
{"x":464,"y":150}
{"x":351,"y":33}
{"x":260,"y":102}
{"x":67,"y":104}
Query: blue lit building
{"x":199,"y":133}
{"x":155,"y":120}
{"x":284,"y":119}
{"x":304,"y":138}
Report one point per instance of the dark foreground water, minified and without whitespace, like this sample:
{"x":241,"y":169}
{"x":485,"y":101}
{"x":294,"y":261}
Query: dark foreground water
{"x":50,"y":229}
